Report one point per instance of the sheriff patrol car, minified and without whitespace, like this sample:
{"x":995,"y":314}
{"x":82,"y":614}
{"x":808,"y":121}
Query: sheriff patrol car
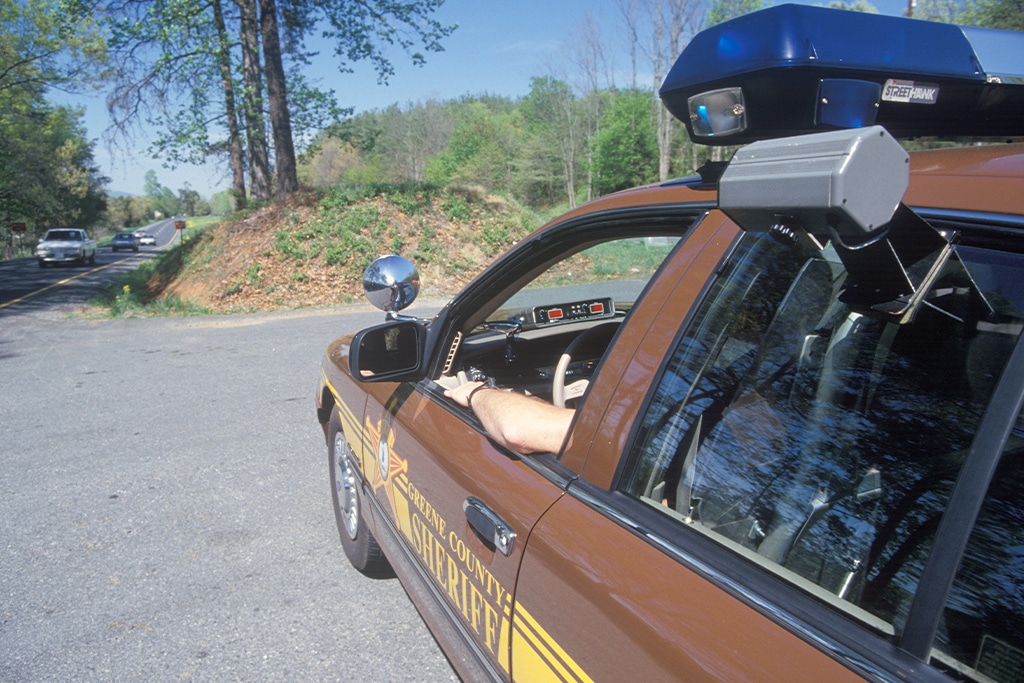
{"x":797,"y":451}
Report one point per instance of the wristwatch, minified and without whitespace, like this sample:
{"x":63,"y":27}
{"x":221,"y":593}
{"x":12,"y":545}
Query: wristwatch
{"x":469,"y":399}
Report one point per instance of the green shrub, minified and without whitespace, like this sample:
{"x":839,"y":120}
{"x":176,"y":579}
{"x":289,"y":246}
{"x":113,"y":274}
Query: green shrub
{"x":456,"y":208}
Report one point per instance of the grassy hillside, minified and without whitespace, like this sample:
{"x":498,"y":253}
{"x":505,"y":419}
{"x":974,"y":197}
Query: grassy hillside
{"x":312,"y":250}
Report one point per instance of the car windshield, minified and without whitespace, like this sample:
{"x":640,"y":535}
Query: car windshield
{"x":62,"y":235}
{"x":823,"y":442}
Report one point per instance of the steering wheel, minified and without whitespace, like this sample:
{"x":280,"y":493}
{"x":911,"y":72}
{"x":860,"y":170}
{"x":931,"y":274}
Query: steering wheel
{"x":560,"y":393}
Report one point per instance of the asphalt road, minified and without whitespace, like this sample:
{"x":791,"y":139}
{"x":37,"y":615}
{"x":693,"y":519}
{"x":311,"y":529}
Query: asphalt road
{"x":164,"y":506}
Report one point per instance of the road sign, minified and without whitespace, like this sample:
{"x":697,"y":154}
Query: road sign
{"x":18,"y":227}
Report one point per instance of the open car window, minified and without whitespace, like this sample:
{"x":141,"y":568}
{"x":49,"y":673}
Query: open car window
{"x":823,"y":443}
{"x":581,"y":296}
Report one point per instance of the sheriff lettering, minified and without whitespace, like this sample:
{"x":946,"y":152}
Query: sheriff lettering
{"x":474,"y":591}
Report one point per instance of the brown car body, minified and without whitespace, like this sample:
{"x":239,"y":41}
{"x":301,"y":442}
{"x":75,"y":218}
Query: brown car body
{"x":588,"y":593}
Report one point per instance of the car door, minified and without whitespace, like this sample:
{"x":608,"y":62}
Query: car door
{"x":463,"y":506}
{"x":447,"y":490}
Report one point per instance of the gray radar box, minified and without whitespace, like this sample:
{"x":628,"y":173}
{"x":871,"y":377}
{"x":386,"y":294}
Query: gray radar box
{"x":851,"y":180}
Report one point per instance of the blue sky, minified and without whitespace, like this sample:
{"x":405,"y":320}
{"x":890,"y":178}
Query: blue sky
{"x":499,"y":46}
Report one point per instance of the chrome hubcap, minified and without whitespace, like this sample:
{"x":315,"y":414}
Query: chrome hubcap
{"x":348,"y":496}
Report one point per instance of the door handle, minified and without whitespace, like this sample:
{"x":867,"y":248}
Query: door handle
{"x":491,"y":528}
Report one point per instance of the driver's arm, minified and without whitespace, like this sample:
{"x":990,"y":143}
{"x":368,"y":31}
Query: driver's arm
{"x":522,"y":423}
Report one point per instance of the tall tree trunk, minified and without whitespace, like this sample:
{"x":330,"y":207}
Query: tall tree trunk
{"x":670,"y":24}
{"x":277,"y":95}
{"x":595,"y":78}
{"x":234,"y":138}
{"x":569,"y":145}
{"x":259,"y":167}
{"x":661,"y":52}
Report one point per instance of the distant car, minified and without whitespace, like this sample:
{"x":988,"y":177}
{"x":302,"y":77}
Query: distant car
{"x":139,"y":233}
{"x":797,"y":445}
{"x":66,"y":245}
{"x":124,"y":240}
{"x":147,"y":240}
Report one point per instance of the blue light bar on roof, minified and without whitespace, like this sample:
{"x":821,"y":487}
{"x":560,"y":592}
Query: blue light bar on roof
{"x":999,"y":53}
{"x":803,"y":69}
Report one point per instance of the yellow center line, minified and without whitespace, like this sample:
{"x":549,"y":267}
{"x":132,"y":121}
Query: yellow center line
{"x":58,"y":283}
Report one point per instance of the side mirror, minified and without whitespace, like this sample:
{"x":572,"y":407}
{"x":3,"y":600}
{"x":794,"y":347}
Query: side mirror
{"x":392,"y":352}
{"x":391,"y":283}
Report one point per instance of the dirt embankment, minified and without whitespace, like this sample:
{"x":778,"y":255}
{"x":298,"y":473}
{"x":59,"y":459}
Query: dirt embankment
{"x":312,"y":249}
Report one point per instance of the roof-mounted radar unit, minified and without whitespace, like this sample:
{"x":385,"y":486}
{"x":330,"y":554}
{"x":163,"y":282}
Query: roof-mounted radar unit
{"x":795,"y":69}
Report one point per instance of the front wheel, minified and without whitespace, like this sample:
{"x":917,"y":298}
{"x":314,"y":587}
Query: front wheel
{"x":360,"y":546}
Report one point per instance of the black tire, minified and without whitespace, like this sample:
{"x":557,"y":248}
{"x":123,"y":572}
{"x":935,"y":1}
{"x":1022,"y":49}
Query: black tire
{"x":360,"y":546}
{"x":113,"y":249}
{"x":92,"y":259}
{"x":42,"y":263}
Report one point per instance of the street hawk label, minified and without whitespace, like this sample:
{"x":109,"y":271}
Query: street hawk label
{"x":910,"y":92}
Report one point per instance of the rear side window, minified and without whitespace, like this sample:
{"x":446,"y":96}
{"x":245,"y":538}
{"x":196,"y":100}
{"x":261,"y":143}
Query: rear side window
{"x":822,"y":443}
{"x":983,"y":622}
